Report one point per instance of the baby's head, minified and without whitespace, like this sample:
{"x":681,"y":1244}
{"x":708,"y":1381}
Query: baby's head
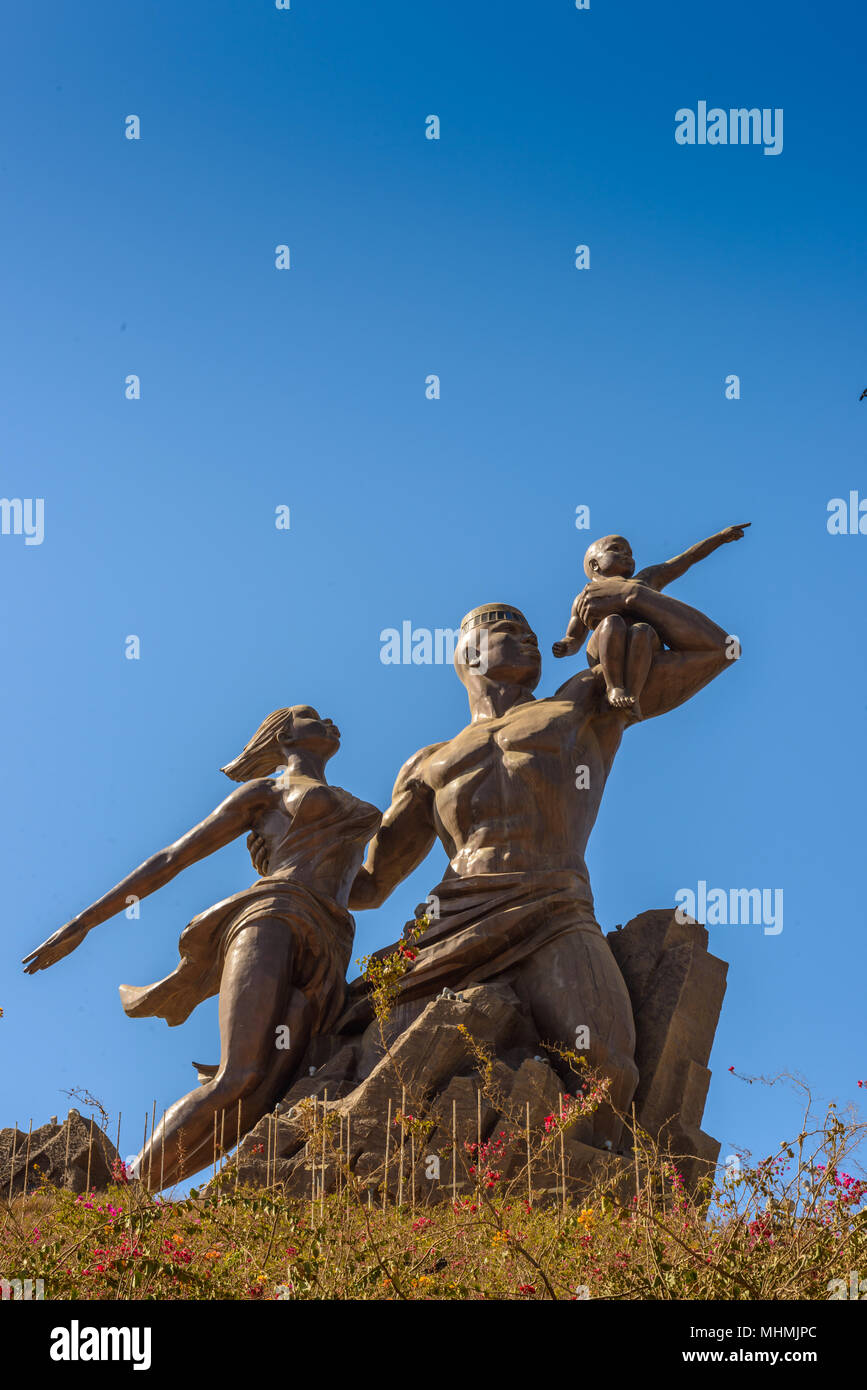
{"x":608,"y":558}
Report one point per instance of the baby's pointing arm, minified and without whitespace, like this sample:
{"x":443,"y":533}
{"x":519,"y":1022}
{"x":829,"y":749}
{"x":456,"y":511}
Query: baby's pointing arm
{"x":658,"y":576}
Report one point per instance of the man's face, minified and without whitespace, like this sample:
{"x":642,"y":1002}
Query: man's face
{"x":506,"y":651}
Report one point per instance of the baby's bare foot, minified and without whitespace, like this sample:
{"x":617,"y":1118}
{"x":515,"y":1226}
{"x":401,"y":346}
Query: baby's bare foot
{"x":618,"y":698}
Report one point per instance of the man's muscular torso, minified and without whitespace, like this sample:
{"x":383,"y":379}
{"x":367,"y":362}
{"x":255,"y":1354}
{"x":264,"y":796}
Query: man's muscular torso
{"x":504,"y":789}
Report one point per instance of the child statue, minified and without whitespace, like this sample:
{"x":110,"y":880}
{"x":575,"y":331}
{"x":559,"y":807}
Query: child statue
{"x":623,"y":648}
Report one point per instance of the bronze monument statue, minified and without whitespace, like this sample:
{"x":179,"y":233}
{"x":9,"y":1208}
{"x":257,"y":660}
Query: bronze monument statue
{"x":277,"y":952}
{"x":512,"y":797}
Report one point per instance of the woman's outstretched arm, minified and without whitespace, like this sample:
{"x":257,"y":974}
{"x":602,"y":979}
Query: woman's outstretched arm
{"x":231,"y":818}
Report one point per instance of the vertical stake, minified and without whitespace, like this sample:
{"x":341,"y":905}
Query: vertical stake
{"x":312,"y":1152}
{"x":238,"y":1151}
{"x":151,"y":1151}
{"x":387,"y":1141}
{"x":529,"y":1162}
{"x":348,"y":1175}
{"x":478,"y":1137}
{"x":153,"y":1116}
{"x":635,"y":1156}
{"x":400,"y":1176}
{"x":563,"y":1171}
{"x":12,"y":1159}
{"x":454,"y":1153}
{"x":144,"y":1144}
{"x":89,"y":1151}
{"x":324,"y":1115}
{"x":27,"y":1158}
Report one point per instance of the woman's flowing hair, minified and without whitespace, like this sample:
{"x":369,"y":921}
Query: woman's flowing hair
{"x":262,"y":754}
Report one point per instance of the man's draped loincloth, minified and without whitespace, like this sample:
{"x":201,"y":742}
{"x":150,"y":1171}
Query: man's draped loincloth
{"x":321,"y":931}
{"x":487,"y":924}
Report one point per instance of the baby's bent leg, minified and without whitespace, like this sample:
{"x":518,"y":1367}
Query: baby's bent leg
{"x":611,"y":641}
{"x":642,"y":642}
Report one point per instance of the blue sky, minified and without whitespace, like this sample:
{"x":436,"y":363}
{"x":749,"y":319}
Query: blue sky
{"x":305,"y":388}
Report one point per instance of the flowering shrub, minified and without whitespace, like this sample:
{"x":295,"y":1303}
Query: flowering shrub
{"x":781,"y":1228}
{"x":383,"y":973}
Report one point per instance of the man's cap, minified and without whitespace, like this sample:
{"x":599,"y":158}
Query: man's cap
{"x":491,"y":613}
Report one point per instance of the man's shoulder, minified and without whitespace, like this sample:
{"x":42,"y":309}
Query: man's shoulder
{"x":413,"y":768}
{"x":581,"y":689}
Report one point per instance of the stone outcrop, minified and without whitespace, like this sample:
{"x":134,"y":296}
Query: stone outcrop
{"x":677,"y":989}
{"x":57,"y":1154}
{"x":473,"y":1060}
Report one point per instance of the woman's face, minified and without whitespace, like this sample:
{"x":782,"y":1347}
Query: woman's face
{"x":307,"y":730}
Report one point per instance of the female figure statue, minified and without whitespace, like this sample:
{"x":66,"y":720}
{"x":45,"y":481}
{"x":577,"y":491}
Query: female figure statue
{"x":277,"y":953}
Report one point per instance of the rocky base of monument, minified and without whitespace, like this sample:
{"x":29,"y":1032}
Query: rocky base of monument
{"x":60,"y":1154}
{"x":470,"y":1066}
{"x":461,"y":1067}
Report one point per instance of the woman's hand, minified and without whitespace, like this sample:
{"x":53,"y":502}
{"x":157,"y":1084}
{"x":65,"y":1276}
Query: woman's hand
{"x":258,"y":848}
{"x":61,"y":944}
{"x":603,"y":597}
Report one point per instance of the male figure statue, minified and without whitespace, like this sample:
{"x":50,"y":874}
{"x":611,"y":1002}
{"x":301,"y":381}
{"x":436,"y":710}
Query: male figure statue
{"x":513,"y":798}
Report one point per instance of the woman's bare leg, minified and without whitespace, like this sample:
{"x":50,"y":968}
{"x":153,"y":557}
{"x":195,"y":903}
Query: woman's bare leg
{"x":255,"y":984}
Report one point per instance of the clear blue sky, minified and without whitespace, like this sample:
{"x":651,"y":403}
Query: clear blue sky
{"x":306,"y":388}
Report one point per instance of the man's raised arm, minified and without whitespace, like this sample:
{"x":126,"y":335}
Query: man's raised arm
{"x":403,"y":840}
